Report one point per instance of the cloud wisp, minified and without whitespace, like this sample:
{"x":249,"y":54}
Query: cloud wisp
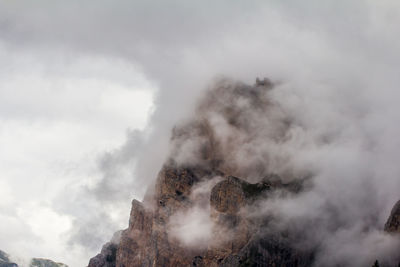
{"x":335,"y":66}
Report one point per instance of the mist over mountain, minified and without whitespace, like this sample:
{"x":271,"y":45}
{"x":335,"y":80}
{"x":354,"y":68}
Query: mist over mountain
{"x":249,"y":182}
{"x":9,"y":261}
{"x":103,"y":102}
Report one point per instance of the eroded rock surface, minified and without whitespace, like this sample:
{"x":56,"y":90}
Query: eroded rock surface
{"x":236,"y":239}
{"x":107,"y":256}
{"x":146,"y":241}
{"x":202,"y":173}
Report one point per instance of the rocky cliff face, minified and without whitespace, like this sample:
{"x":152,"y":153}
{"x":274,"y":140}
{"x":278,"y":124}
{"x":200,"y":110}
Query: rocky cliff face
{"x":236,"y":237}
{"x":5,"y":260}
{"x":206,"y":206}
{"x":393,"y":223}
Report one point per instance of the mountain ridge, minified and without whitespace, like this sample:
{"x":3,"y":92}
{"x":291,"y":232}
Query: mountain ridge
{"x":208,"y":204}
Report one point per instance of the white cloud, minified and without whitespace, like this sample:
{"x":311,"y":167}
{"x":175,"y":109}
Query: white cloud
{"x":67,"y":71}
{"x":58,"y":114}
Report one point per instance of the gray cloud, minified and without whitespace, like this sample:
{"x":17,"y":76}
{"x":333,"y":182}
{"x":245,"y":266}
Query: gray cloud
{"x":338,"y":63}
{"x":254,"y":131}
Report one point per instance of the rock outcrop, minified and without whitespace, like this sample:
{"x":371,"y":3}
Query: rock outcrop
{"x":39,"y":262}
{"x":35,"y":262}
{"x":107,"y":256}
{"x":146,"y":241}
{"x":393,"y":223}
{"x":203,"y":158}
{"x":5,"y":260}
{"x":237,"y":132}
{"x":237,"y":239}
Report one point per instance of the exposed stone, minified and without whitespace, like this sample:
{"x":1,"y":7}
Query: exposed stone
{"x":393,"y":223}
{"x":5,"y":260}
{"x":199,"y":148}
{"x":4,"y":256}
{"x":39,"y":262}
{"x":273,"y":248}
{"x":106,"y":258}
{"x":236,"y":240}
{"x":146,"y":241}
{"x":173,"y":188}
{"x":233,"y":193}
{"x":35,"y":262}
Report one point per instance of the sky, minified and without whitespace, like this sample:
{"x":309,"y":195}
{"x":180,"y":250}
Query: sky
{"x":89,"y":91}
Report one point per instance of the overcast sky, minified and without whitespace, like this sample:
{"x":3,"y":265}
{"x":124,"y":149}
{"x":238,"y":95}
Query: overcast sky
{"x":90,"y":89}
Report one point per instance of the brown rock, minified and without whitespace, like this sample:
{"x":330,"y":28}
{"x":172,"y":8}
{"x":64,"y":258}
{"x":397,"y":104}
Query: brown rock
{"x":173,"y":188}
{"x":106,"y":258}
{"x":235,"y":238}
{"x":232,"y":230}
{"x":146,"y":241}
{"x":228,"y":196}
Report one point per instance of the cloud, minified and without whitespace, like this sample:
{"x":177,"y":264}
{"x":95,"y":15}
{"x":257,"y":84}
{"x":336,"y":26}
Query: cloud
{"x":193,"y":227}
{"x":337,"y":62}
{"x":57,"y":115}
{"x":254,"y":131}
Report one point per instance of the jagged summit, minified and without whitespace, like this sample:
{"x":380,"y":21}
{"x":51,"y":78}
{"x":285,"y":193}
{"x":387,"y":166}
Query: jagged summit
{"x":199,"y":182}
{"x":207,"y":205}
